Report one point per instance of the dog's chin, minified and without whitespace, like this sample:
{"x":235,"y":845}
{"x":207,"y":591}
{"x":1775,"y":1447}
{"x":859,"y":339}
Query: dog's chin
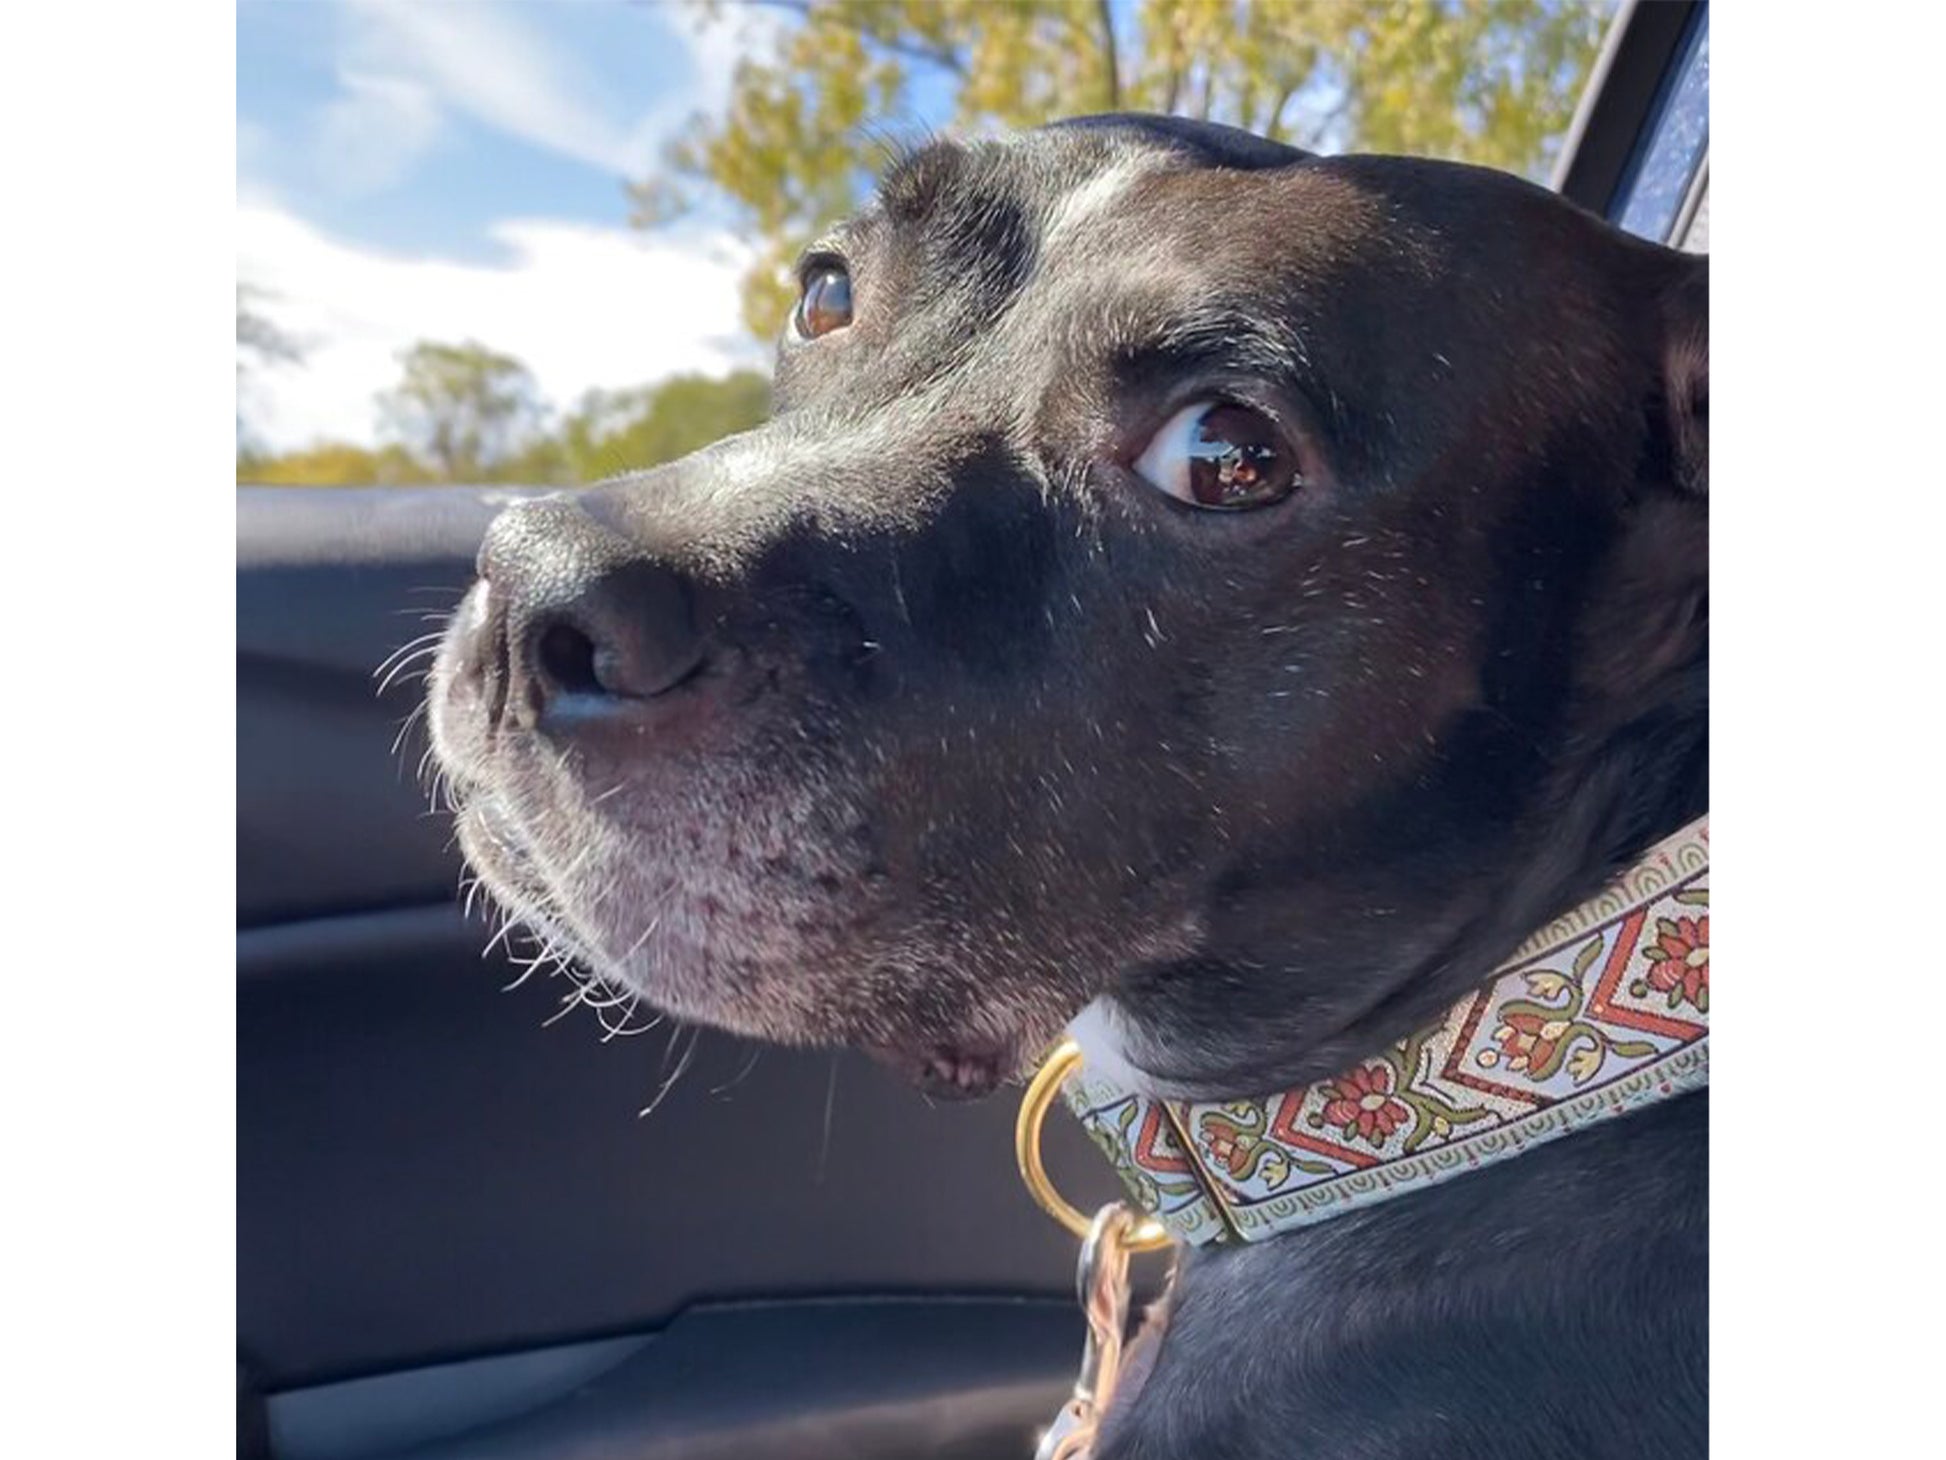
{"x":826,"y":974}
{"x":954,"y":1070}
{"x":753,"y":906}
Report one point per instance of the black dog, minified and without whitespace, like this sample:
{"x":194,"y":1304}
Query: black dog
{"x":1248,"y":590}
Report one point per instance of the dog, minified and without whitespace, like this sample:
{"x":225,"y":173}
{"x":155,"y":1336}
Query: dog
{"x":1229,"y":595}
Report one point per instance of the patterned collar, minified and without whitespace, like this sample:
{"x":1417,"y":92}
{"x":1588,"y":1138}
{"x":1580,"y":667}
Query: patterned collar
{"x":1604,"y":1010}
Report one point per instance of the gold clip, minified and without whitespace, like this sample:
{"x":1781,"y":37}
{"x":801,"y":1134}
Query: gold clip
{"x":1101,"y":1277}
{"x":1146,"y":1235}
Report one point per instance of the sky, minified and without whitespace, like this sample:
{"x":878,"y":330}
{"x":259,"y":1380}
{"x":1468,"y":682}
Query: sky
{"x":453,"y":169}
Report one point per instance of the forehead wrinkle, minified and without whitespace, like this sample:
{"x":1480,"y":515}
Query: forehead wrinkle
{"x":913,"y":185}
{"x":846,"y":237}
{"x":1095,"y":274}
{"x":1147,"y":306}
{"x":1219,"y":331}
{"x":1132,"y":288}
{"x":1014,"y":191}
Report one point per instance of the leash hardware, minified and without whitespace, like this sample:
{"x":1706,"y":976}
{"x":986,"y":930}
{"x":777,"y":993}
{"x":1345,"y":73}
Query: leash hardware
{"x":1101,"y":1282}
{"x":1145,"y":1233}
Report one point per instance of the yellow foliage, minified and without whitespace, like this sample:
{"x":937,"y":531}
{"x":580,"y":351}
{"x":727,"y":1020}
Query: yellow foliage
{"x":332,"y":464}
{"x":1487,"y":81}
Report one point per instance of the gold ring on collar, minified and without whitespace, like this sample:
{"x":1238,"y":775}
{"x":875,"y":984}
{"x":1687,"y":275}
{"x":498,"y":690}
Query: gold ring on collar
{"x":1063,"y":1060}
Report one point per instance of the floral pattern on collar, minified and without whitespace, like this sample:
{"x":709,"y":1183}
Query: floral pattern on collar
{"x":1603,"y":1011}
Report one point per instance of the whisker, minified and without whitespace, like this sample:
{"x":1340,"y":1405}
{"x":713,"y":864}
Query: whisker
{"x":404,"y":678}
{"x":394,"y":674}
{"x":830,"y":1100}
{"x":610,"y":1030}
{"x":405,"y":729}
{"x":506,"y":930}
{"x":670,"y":1083}
{"x":636,"y":947}
{"x":568,"y":1005}
{"x":654,"y":1022}
{"x":626,"y":1028}
{"x":756,"y":1050}
{"x":616,"y":996}
{"x":670,"y":1048}
{"x":405,"y":649}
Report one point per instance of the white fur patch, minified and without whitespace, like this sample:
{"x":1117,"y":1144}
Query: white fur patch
{"x":1102,"y":1032}
{"x":1098,"y":195}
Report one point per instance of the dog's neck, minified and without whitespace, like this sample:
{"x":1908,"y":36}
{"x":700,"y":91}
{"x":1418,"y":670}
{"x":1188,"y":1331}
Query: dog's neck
{"x":1602,"y":1011}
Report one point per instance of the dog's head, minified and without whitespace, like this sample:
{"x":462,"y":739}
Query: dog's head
{"x":1247,"y":588}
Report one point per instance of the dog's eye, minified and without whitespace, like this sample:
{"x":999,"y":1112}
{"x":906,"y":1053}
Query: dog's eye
{"x":825,"y":304}
{"x":1222,"y":455}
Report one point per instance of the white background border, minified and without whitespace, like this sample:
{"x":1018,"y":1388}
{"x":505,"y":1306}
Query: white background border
{"x":118,"y":121}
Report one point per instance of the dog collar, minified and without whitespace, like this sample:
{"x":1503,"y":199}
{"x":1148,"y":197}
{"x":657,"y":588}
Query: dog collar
{"x":1603,"y":1011}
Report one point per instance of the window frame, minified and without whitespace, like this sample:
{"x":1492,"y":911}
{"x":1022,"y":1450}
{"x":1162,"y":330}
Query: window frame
{"x":1634,"y":98}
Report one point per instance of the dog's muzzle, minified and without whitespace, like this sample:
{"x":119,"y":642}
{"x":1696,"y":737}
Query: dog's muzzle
{"x":574,"y":625}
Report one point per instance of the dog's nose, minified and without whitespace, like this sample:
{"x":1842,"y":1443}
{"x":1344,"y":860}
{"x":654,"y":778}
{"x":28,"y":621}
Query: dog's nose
{"x":589,"y":622}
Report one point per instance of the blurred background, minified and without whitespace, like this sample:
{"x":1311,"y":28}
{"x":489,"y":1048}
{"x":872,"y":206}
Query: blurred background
{"x":489,"y":241}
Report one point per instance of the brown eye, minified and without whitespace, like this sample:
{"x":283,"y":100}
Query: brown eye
{"x":1221,"y":455}
{"x":825,"y":304}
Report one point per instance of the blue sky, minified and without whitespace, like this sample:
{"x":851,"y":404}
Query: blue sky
{"x":454,"y":169}
{"x":414,"y":169}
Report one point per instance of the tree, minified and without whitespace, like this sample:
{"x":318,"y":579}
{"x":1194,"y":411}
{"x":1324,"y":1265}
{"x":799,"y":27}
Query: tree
{"x":617,"y":431}
{"x":1488,"y":81}
{"x":332,"y":464}
{"x":609,"y":432}
{"x":463,"y":408}
{"x":258,"y":343}
{"x":257,"y":339}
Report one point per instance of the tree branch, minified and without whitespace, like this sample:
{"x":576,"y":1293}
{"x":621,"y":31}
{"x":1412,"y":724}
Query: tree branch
{"x":1273,"y":127}
{"x":1319,"y":133}
{"x":806,"y":11}
{"x":1110,"y":60}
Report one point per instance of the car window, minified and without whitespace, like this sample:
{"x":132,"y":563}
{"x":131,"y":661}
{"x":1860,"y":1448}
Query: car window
{"x":1668,"y":176}
{"x":1696,"y":237}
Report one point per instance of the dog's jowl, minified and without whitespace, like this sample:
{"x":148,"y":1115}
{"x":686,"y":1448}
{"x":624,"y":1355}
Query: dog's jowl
{"x":1239,"y":595}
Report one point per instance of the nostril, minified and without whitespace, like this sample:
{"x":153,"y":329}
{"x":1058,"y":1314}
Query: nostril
{"x":588,"y":642}
{"x":567,"y":657}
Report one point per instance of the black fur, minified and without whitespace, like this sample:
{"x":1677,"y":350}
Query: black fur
{"x":1543,"y":1308}
{"x":916,"y":720}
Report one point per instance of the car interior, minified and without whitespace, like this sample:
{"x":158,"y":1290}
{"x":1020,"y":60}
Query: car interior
{"x":472,"y":1220}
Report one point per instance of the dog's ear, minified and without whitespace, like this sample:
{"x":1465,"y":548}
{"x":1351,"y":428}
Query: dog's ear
{"x":1648,"y":626}
{"x":1685,"y":321}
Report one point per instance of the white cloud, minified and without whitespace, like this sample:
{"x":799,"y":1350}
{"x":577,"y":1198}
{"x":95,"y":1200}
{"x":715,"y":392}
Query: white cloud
{"x":488,"y":62}
{"x":581,"y":305}
{"x":371,"y":134}
{"x":716,"y":46}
